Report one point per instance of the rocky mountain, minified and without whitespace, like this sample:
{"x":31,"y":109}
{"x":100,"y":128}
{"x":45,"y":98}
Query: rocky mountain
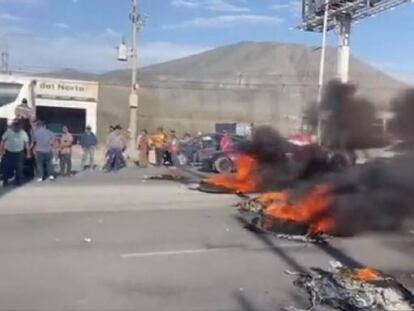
{"x":254,"y":63}
{"x":264,"y":83}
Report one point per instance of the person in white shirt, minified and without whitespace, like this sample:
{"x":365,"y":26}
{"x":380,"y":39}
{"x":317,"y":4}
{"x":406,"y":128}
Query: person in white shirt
{"x":14,"y":143}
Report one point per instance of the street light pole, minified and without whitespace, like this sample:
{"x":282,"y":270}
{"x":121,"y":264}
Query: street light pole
{"x":136,"y":20}
{"x":344,"y":22}
{"x":322,"y":70}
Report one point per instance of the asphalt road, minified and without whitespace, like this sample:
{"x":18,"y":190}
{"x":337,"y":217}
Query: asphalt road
{"x":120,"y":242}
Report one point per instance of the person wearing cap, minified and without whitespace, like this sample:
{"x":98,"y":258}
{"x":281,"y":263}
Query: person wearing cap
{"x":115,"y":144}
{"x":14,"y":143}
{"x":88,"y":142}
{"x":23,"y":111}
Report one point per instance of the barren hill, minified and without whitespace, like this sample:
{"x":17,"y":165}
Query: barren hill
{"x":250,"y":82}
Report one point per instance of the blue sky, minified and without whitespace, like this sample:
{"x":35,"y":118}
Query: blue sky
{"x":82,"y":34}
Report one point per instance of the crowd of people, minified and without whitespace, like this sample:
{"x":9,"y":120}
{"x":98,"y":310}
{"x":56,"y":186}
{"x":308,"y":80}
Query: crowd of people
{"x":156,"y":149}
{"x":160,"y":148}
{"x":29,"y":149}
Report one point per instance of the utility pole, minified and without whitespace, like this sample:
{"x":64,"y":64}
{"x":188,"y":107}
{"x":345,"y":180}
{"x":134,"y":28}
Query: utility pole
{"x":5,"y":58}
{"x":322,"y":72}
{"x":136,"y":20}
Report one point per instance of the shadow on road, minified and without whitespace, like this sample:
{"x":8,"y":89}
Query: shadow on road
{"x":244,"y":303}
{"x":402,"y":241}
{"x":10,"y":188}
{"x":289,"y":260}
{"x":269,"y":242}
{"x":340,"y":255}
{"x":327,"y":248}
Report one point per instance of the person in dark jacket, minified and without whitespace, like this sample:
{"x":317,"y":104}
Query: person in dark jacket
{"x":88,"y":142}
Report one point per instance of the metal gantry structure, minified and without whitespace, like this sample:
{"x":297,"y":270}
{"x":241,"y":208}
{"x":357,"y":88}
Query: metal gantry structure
{"x":325,"y":15}
{"x":340,"y":15}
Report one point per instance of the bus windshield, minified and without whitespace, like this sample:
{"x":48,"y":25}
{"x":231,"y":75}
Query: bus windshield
{"x":9,"y":92}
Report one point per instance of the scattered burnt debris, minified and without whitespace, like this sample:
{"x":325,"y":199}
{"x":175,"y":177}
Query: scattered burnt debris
{"x":251,"y":213}
{"x":348,"y":289}
{"x":208,"y":187}
{"x":171,"y":177}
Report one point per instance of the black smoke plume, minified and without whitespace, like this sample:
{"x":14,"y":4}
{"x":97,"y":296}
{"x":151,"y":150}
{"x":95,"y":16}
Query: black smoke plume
{"x":348,"y":120}
{"x":379,"y":195}
{"x":280,"y":163}
{"x":403,"y":122}
{"x":270,"y":150}
{"x":376,"y":196}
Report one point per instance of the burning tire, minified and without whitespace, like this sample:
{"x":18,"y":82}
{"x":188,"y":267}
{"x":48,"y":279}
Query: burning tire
{"x":223,"y":165}
{"x":339,"y":161}
{"x":211,"y":188}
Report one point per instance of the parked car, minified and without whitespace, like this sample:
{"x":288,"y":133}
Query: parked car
{"x":204,"y":152}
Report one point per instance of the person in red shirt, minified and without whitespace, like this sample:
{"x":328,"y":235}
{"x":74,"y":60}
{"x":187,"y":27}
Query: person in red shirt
{"x":225,"y":142}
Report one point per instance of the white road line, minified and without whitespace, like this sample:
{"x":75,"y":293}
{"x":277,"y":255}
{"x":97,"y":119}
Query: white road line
{"x":177,"y":252}
{"x":196,"y":251}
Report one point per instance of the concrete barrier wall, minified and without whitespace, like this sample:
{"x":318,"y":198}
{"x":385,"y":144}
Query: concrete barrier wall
{"x":193,"y":109}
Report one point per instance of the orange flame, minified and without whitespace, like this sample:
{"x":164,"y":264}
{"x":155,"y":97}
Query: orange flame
{"x":243,"y":181}
{"x":273,"y":197}
{"x":313,"y":210}
{"x":366,"y":274}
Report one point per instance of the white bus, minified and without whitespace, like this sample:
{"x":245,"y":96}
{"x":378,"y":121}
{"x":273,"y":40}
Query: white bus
{"x":57,"y":102}
{"x":13,"y":89}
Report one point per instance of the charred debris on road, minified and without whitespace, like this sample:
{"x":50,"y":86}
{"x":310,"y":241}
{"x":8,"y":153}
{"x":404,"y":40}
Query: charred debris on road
{"x":309,"y":193}
{"x":358,"y":289}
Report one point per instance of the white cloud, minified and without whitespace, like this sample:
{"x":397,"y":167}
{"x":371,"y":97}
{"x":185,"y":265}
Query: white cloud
{"x":212,"y":5}
{"x":87,"y":53}
{"x":11,"y":25}
{"x":186,"y":3}
{"x":10,"y":17}
{"x":226,"y":21}
{"x":278,"y":6}
{"x":94,"y":53}
{"x":26,"y":2}
{"x":112,"y":33}
{"x":294,"y":6}
{"x":61,"y":25}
